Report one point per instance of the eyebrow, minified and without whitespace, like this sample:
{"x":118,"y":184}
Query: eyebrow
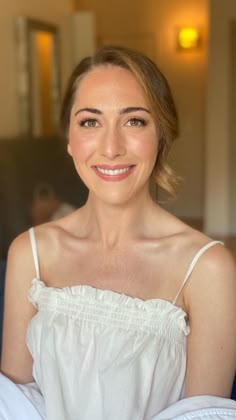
{"x":123,"y":111}
{"x":92,"y":110}
{"x":133,"y":109}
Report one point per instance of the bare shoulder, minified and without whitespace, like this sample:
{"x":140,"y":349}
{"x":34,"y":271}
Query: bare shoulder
{"x":213,"y":278}
{"x":215,"y":269}
{"x":215,"y":259}
{"x":20,"y":248}
{"x":210,"y":301}
{"x":57,"y":229}
{"x":20,"y":264}
{"x":52,"y":234}
{"x":216,"y":263}
{"x":21,"y":242}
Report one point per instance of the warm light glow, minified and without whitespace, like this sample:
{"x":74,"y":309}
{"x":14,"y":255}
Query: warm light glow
{"x":188,"y":38}
{"x":44,"y":46}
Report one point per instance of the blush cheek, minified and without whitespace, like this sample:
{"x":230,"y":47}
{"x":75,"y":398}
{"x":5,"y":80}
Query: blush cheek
{"x":146,"y":147}
{"x":81,"y":148}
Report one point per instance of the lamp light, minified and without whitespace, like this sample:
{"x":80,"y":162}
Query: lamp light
{"x":188,"y":38}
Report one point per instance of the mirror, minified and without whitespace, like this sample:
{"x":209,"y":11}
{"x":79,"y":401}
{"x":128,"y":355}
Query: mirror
{"x":38,"y":77}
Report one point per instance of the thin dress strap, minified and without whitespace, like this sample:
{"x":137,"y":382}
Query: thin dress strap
{"x":34,"y":251}
{"x":193,"y":263}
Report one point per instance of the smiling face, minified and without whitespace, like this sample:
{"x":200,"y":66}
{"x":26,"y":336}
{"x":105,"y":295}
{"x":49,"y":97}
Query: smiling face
{"x":113,"y":139}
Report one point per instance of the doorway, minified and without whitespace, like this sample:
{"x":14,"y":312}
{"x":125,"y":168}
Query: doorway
{"x":38,"y":72}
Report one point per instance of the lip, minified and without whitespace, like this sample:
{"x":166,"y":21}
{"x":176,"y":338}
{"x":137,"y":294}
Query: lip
{"x":125,"y":171}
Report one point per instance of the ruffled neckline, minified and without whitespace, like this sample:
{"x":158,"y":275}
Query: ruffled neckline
{"x":110,"y":308}
{"x":106,"y":295}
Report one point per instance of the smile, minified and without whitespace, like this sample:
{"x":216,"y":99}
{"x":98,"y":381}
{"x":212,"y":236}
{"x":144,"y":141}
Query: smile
{"x":113,"y":172}
{"x":117,"y":173}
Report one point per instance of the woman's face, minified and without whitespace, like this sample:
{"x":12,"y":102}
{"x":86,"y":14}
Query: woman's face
{"x":113,"y":139}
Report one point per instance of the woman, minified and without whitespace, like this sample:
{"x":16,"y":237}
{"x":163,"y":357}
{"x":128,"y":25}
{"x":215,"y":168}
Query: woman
{"x":131,"y":310}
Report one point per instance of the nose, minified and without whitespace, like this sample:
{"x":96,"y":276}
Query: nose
{"x":112,"y":143}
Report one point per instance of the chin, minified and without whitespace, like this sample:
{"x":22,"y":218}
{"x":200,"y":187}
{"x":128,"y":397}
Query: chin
{"x":119,"y":198}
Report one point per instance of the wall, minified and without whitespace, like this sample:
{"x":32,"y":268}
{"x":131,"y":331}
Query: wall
{"x":151,"y":25}
{"x":232,"y":139}
{"x":53,"y":11}
{"x":217,"y":191}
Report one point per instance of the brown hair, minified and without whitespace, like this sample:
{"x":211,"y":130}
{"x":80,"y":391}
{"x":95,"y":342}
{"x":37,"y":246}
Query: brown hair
{"x":157,"y":91}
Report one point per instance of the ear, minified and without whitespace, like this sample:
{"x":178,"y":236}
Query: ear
{"x":69,"y":149}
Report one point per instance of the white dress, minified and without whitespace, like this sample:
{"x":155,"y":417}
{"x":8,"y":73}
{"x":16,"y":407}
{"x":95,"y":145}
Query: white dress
{"x":101,"y":355}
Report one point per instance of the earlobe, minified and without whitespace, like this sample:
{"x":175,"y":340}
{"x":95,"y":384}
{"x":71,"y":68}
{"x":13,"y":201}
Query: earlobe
{"x":69,"y":149}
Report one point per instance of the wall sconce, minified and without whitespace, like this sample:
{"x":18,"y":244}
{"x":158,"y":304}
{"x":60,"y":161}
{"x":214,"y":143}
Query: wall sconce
{"x":188,"y":38}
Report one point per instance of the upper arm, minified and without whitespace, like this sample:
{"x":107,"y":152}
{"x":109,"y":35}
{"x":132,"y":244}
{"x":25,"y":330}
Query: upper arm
{"x":16,"y":361}
{"x":210,"y":298}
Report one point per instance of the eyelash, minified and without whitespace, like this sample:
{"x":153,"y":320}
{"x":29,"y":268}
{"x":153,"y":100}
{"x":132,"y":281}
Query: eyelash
{"x":133,"y":122}
{"x":138,"y":122}
{"x":87,"y":120}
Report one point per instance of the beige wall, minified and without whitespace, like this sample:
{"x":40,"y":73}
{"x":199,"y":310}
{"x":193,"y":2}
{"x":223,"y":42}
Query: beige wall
{"x":151,"y":25}
{"x":217,"y":191}
{"x":232,"y":140}
{"x":53,"y":11}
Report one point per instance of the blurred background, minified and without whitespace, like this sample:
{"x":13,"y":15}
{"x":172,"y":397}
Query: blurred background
{"x":41,"y":42}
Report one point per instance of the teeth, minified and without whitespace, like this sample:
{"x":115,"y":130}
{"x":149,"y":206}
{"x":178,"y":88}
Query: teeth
{"x":113,"y":171}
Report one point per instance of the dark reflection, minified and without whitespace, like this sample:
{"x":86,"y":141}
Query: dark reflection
{"x":24,"y":163}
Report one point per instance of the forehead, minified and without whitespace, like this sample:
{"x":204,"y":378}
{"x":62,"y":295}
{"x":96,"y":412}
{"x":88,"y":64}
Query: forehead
{"x":109,"y":81}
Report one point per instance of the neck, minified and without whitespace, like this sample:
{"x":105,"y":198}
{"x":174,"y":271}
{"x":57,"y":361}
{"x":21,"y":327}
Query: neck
{"x":115,"y":224}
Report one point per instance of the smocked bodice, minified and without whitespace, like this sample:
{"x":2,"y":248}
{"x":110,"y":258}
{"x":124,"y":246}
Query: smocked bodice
{"x":98,"y":351}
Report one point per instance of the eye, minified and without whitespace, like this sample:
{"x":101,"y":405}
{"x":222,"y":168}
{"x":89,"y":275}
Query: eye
{"x":88,"y":123}
{"x":136,"y":122}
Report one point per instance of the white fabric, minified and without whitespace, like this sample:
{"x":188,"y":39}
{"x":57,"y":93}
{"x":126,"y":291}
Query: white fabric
{"x":23,"y":402}
{"x":32,"y":392}
{"x":205,"y":407}
{"x":34,"y":252}
{"x":102,"y":355}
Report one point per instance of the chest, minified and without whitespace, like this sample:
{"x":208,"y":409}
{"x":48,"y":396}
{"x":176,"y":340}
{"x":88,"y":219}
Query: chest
{"x":140,"y":271}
